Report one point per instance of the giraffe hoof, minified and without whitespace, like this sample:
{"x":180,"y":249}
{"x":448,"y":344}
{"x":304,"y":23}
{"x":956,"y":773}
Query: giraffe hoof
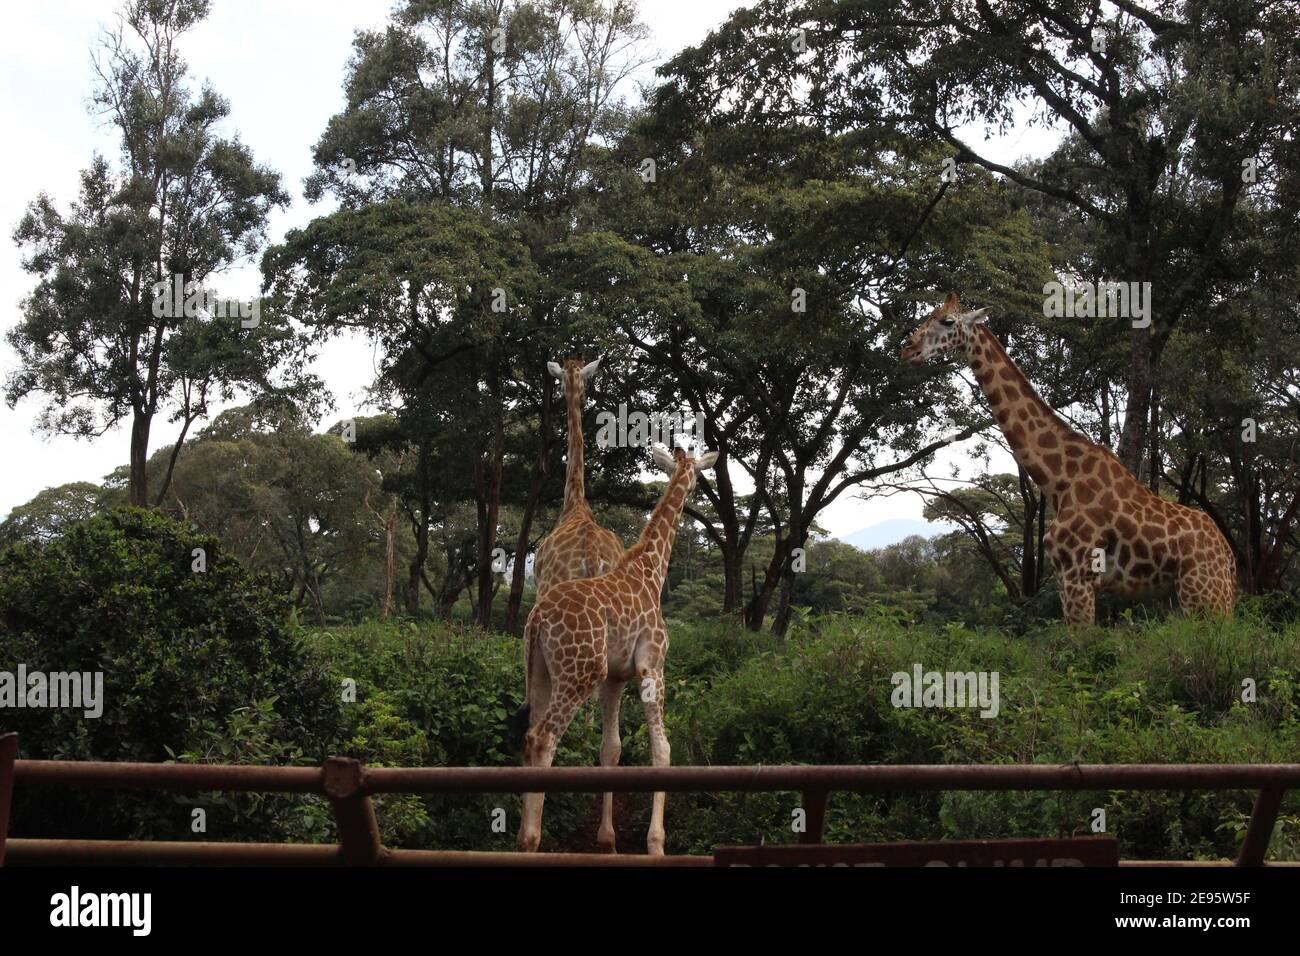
{"x":606,"y":843}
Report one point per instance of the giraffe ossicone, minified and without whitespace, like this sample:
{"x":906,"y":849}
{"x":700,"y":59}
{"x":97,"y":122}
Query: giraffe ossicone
{"x":601,"y":632}
{"x":1100,"y":507}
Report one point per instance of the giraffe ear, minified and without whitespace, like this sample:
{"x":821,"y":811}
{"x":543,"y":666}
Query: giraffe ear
{"x":978,"y":317}
{"x":555,"y":369}
{"x":663,"y":459}
{"x":589,"y":369}
{"x":705,"y":462}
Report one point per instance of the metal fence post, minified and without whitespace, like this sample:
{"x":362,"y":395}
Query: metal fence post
{"x":1259,"y":831}
{"x":8,"y":750}
{"x":814,"y":804}
{"x":342,"y":781}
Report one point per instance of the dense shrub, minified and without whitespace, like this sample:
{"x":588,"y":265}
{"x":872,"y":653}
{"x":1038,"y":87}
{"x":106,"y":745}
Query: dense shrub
{"x":1153,"y":692}
{"x":440,"y":695}
{"x":195,"y":662}
{"x":229,"y":682}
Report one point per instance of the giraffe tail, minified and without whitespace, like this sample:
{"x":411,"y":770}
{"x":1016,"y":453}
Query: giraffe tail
{"x":517,"y":724}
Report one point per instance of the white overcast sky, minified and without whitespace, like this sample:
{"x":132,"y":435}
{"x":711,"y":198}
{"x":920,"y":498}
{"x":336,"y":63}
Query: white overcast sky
{"x":281,"y":64}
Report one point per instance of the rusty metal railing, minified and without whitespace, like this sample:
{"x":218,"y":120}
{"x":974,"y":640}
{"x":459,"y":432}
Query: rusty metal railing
{"x":349,"y":787}
{"x":8,"y":751}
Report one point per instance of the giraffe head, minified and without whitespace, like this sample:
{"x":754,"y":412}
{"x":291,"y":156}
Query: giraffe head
{"x":943,"y":330}
{"x":677,"y":463}
{"x":574,"y":374}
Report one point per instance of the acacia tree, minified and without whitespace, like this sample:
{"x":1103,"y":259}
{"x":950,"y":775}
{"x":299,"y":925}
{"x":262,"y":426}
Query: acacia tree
{"x":806,"y":256}
{"x":483,"y":113}
{"x":1004,"y":518}
{"x":52,"y":512}
{"x":185,"y":202}
{"x":1176,"y":112}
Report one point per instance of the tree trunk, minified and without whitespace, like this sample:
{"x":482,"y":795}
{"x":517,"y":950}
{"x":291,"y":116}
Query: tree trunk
{"x":756,"y":612}
{"x":732,"y":569}
{"x":1034,"y":503}
{"x":514,"y":622}
{"x":781,"y":622}
{"x":487,"y":479}
{"x":417,"y":566}
{"x":390,"y":559}
{"x":139,"y":490}
{"x":1153,"y":435}
{"x":1133,"y":435}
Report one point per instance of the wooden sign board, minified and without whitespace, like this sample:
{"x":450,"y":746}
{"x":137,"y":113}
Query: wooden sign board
{"x":1070,"y":851}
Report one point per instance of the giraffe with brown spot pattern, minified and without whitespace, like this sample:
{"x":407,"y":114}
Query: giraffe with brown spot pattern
{"x":577,"y":547}
{"x":1110,"y":532}
{"x":602,"y":632}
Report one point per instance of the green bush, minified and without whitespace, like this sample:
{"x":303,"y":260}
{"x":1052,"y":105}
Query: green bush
{"x":438,"y":694}
{"x":202,"y":665}
{"x":195,"y":662}
{"x":1166,"y":692}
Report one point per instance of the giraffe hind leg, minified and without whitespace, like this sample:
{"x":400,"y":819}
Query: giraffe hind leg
{"x":539,"y":751}
{"x":1201,"y":591}
{"x":611,"y":748}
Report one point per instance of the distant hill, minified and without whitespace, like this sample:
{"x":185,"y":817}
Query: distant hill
{"x":884,"y":533}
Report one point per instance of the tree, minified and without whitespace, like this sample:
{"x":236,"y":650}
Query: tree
{"x":52,"y":512}
{"x":1004,"y":517}
{"x":283,"y":500}
{"x":102,"y":334}
{"x":469,"y":117}
{"x":1171,"y":111}
{"x":807,"y":256}
{"x":185,"y":651}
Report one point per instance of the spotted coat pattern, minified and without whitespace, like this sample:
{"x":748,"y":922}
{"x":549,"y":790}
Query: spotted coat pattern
{"x":577,"y":546}
{"x":1110,"y":531}
{"x":601,"y":632}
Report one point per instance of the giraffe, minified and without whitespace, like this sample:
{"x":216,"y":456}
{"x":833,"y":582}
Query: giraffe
{"x":577,"y":546}
{"x":1110,"y":532}
{"x":600,"y":632}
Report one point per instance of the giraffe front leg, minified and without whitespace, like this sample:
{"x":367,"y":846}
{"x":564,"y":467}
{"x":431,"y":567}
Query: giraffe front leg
{"x":1076,"y":580}
{"x":1078,"y":598}
{"x":652,"y":697}
{"x":611,"y":747}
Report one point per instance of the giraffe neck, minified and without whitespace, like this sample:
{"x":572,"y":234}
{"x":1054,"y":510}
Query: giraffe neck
{"x":656,"y":541}
{"x":1032,"y":429}
{"x":575,"y":493}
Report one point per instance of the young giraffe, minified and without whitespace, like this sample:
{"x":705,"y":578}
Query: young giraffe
{"x":1143,"y":540}
{"x":577,"y":547}
{"x":602,"y":631}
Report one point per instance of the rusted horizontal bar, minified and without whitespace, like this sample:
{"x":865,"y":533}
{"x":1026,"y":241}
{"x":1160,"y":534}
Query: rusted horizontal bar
{"x":146,"y":776}
{"x":108,"y":775}
{"x":1228,"y":863}
{"x":856,"y":778}
{"x":480,"y":858}
{"x":162,"y":853}
{"x":24,"y":852}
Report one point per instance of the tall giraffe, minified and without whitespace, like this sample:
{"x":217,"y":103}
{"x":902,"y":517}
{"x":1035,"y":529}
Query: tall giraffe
{"x":603,"y":631}
{"x":577,"y":547}
{"x":1110,"y":532}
